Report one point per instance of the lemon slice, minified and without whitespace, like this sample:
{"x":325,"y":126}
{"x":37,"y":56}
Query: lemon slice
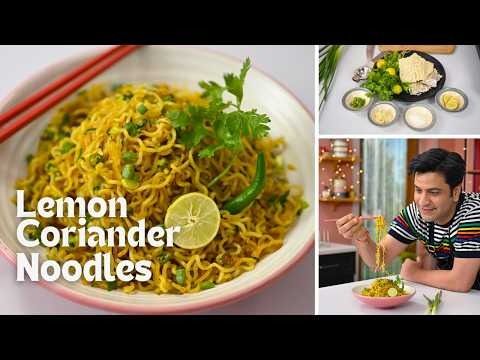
{"x":198,"y":217}
{"x":452,"y":104}
{"x":446,"y":98}
{"x":392,"y":292}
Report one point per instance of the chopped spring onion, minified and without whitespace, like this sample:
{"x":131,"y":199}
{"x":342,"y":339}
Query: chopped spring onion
{"x":111,"y":285}
{"x":164,"y":257}
{"x":94,"y":159}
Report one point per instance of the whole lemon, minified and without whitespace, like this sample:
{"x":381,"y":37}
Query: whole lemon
{"x":397,"y":89}
{"x":391,"y":71}
{"x":381,"y":63}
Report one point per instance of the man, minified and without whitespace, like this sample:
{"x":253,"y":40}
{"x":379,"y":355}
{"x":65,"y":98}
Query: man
{"x":445,"y":219}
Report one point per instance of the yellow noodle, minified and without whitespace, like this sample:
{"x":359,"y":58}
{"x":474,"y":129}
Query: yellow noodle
{"x":380,"y":231}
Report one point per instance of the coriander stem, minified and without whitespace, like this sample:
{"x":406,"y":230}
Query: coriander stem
{"x":222,"y":174}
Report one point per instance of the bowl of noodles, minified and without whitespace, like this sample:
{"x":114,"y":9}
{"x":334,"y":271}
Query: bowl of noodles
{"x":384,"y":293}
{"x":116,"y":137}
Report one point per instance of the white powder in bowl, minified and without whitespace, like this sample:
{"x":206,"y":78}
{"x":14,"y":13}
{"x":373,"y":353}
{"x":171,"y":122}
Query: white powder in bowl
{"x":419,"y":117}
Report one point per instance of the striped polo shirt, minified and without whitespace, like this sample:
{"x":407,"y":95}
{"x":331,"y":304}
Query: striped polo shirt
{"x":459,"y":238}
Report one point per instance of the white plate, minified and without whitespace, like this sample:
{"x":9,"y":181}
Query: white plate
{"x":184,"y":67}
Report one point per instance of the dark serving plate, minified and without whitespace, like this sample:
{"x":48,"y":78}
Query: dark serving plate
{"x":404,"y":96}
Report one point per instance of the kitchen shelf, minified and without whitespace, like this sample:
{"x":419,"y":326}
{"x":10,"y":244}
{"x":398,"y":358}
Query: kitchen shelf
{"x":330,"y":157}
{"x":340,"y":200}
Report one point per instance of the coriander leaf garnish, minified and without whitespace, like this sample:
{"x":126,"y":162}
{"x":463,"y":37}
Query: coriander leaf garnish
{"x":221,"y":124}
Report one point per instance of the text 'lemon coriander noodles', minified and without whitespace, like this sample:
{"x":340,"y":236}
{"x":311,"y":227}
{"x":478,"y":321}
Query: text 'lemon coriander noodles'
{"x":99,"y":268}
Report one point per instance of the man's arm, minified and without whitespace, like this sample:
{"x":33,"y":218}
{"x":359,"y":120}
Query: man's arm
{"x":460,"y":278}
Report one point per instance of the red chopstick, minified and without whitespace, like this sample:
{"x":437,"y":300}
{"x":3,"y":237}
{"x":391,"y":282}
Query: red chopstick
{"x":70,"y":82}
{"x":370,"y":217}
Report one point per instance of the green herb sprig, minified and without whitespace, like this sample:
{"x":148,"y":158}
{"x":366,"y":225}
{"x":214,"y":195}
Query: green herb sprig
{"x":222,"y":124}
{"x":329,"y":55}
{"x":432,"y":305}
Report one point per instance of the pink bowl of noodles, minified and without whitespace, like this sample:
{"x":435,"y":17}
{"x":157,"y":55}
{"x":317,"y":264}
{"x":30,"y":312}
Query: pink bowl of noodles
{"x":381,"y":301}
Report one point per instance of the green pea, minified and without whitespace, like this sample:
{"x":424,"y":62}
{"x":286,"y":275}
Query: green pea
{"x":207,"y":285}
{"x":180,"y":276}
{"x":128,"y":172}
{"x":142,"y":109}
{"x":130,"y":157}
{"x":132,"y":129}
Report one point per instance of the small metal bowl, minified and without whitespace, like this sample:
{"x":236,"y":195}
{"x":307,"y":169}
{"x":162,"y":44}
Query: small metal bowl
{"x":432,"y":124}
{"x":349,"y":93}
{"x":372,"y":108}
{"x":439,"y":95}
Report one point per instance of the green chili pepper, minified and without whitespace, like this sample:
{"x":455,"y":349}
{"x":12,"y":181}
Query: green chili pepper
{"x":248,"y":195}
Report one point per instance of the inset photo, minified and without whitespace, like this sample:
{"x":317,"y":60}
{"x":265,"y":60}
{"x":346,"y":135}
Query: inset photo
{"x":399,"y":89}
{"x":399,"y":226}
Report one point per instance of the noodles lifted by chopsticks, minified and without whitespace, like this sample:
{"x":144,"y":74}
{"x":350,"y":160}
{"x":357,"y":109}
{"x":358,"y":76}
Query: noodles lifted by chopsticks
{"x":380,"y":231}
{"x":82,"y":151}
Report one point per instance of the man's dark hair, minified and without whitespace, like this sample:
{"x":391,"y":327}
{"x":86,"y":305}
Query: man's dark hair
{"x":449,"y":164}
